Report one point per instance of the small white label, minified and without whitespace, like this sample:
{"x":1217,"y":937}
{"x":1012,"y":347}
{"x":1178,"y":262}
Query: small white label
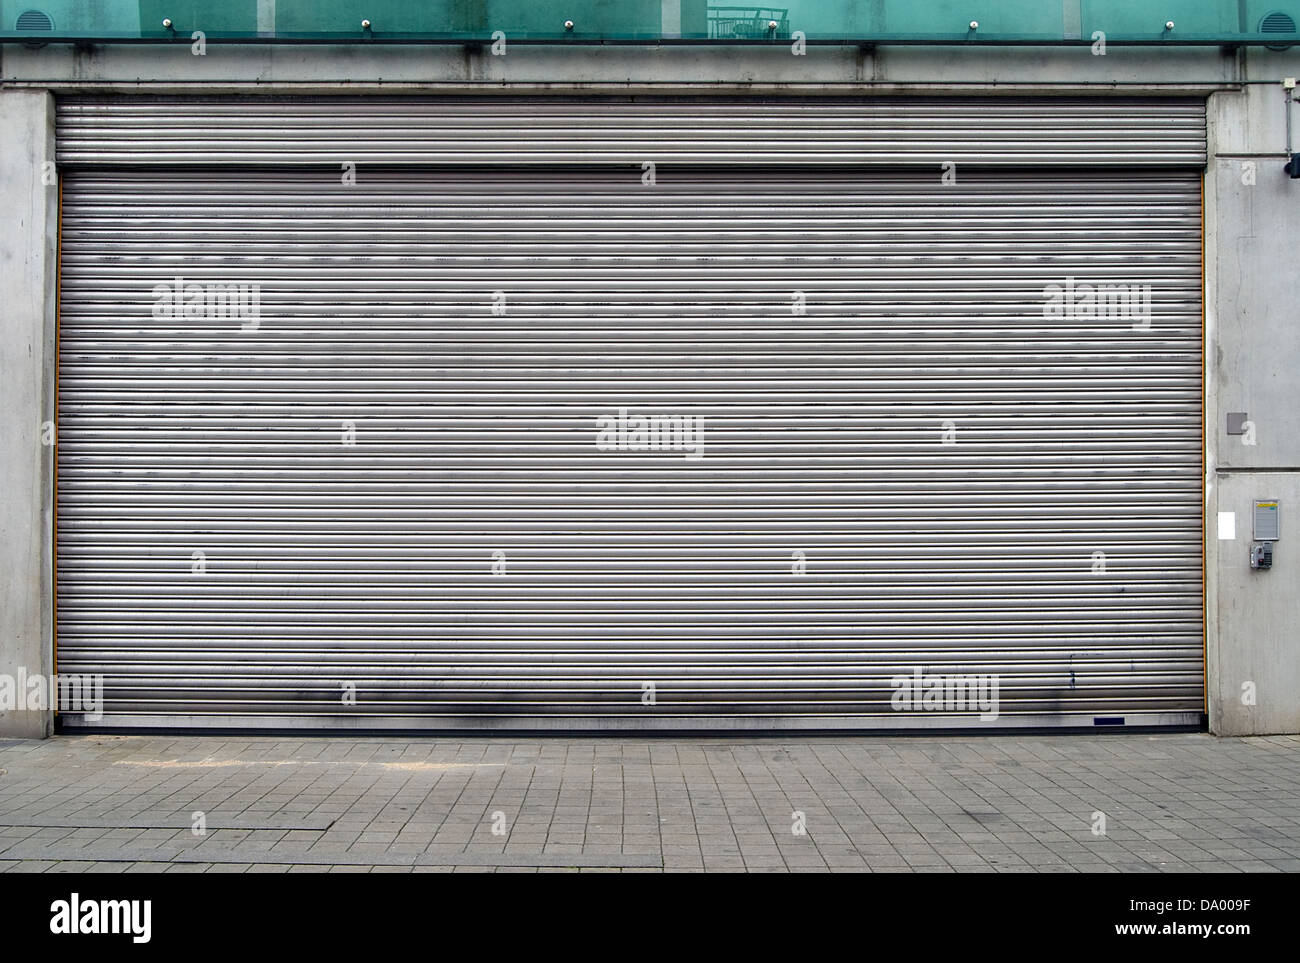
{"x":1227,"y":526}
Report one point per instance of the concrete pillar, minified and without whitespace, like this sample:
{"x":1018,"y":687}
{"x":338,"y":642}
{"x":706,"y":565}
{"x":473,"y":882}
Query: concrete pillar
{"x":29,"y":208}
{"x":1252,"y":357}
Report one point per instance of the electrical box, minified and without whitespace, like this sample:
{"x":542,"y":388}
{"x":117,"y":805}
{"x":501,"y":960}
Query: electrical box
{"x":1266,"y":528}
{"x":1267,"y":519}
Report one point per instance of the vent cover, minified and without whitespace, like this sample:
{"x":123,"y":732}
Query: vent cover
{"x":1278,"y":22}
{"x":34,"y":20}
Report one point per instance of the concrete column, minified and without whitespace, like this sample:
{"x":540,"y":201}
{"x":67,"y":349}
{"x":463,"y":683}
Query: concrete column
{"x":29,"y":207}
{"x":1252,"y":360}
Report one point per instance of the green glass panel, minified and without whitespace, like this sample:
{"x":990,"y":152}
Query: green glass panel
{"x":601,"y":18}
{"x":71,"y":18}
{"x":829,"y":21}
{"x":229,"y":16}
{"x":1128,"y":19}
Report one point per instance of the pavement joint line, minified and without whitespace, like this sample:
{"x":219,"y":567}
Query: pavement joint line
{"x":213,"y":823}
{"x":326,"y":858}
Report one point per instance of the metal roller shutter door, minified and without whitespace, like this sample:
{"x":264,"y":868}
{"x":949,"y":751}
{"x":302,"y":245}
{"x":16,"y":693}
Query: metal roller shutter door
{"x":1032,"y":132}
{"x":373,"y":564}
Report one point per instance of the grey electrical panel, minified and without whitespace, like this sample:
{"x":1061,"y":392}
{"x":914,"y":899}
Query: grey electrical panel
{"x":1267,"y":520}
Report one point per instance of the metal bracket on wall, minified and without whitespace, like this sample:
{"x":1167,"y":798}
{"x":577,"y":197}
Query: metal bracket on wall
{"x":1293,"y":160}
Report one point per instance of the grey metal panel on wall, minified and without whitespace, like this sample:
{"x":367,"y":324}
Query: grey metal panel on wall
{"x":907,"y":462}
{"x":885,"y":131}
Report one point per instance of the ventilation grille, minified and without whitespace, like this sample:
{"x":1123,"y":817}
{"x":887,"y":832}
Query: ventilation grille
{"x":1278,"y":22}
{"x":34,"y":20}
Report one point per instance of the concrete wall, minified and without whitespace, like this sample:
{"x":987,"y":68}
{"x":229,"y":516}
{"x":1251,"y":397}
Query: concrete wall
{"x":1252,"y":284}
{"x":1252,"y":366}
{"x":28,"y":266}
{"x":395,"y":69}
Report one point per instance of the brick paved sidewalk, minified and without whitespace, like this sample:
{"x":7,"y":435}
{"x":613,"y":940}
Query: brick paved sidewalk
{"x":1184,"y":802}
